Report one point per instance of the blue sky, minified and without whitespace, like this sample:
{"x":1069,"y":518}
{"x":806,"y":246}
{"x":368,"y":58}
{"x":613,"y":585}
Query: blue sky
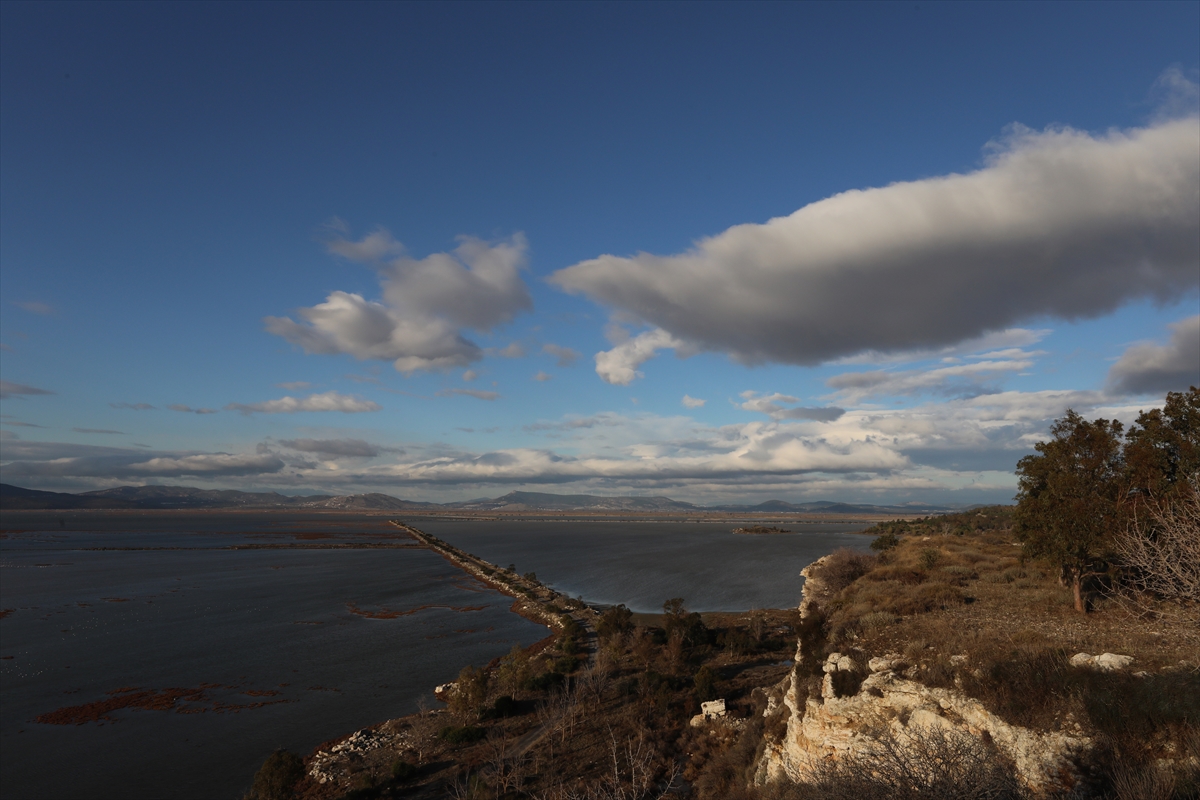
{"x":447,"y":251}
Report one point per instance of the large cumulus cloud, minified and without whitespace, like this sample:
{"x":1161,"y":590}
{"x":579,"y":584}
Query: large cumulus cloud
{"x":1060,"y":223}
{"x":1149,"y":368}
{"x":426,"y":304}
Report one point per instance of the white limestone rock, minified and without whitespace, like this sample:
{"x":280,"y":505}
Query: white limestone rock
{"x":1106,"y":662}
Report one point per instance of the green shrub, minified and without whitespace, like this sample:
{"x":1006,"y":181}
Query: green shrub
{"x":504,"y":706}
{"x":615,"y":621}
{"x":885,"y":541}
{"x":465,"y":734}
{"x":277,"y":777}
{"x":843,"y":567}
{"x":538,"y":683}
{"x":705,"y":682}
{"x":403,"y":770}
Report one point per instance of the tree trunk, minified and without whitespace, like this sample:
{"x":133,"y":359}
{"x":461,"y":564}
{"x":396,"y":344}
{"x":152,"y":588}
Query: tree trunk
{"x":1077,"y":588}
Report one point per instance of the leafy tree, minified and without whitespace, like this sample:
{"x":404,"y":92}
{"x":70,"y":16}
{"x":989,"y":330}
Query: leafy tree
{"x":514,"y":670}
{"x":689,"y":624}
{"x":614,"y":622}
{"x":470,"y":691}
{"x":1069,"y":494}
{"x":277,"y":777}
{"x":1162,"y":448}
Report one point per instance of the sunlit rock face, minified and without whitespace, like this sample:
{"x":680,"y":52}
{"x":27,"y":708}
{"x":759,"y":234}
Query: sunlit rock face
{"x":859,"y":704}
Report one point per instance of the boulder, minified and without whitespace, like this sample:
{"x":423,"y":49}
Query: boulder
{"x":1106,"y":662}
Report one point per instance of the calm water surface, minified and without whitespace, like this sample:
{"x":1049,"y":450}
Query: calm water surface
{"x":275,"y":626}
{"x":87,"y":622}
{"x":644,"y":564}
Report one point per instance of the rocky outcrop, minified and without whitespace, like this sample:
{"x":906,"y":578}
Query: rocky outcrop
{"x":1105,"y":662}
{"x":332,"y":765}
{"x":858,"y":704}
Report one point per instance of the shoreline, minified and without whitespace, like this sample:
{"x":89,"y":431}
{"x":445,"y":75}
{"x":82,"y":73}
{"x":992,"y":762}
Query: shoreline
{"x":325,"y":763}
{"x":530,"y":597}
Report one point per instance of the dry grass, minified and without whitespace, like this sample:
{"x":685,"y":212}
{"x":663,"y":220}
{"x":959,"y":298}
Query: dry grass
{"x":1010,"y":625}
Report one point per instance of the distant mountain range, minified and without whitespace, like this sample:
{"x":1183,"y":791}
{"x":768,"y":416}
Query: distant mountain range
{"x":165,"y":497}
{"x":152,"y":497}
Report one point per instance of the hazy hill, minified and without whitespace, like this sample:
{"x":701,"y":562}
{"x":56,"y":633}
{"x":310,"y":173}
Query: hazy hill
{"x":162,"y":497}
{"x":149,"y":497}
{"x":519,"y":501}
{"x":189,"y":497}
{"x":365,"y":502}
{"x":16,"y":498}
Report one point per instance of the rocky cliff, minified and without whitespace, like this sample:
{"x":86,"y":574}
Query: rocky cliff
{"x":857,"y":705}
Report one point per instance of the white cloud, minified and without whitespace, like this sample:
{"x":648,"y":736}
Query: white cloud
{"x":566,"y":356}
{"x":1007,"y":340}
{"x":36,"y":308}
{"x":513,"y":350}
{"x":97,"y":430}
{"x":476,"y":393}
{"x":692,"y":402}
{"x":773,"y":405}
{"x":947,"y":446}
{"x":10,"y":389}
{"x":619,"y":365}
{"x":542,"y":376}
{"x":351,"y":448}
{"x":209,"y":464}
{"x":326,"y":401}
{"x":427,"y":304}
{"x":1149,"y":368}
{"x":54,"y":460}
{"x":960,"y":379}
{"x":732,"y":452}
{"x":190,"y":410}
{"x":1059,"y":223}
{"x":470,"y":375}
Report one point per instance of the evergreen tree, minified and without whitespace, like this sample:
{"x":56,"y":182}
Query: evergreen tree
{"x":1069,"y":497}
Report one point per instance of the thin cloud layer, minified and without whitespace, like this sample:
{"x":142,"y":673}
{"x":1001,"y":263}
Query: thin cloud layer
{"x":50,"y":460}
{"x":426,"y":304}
{"x":776,"y":405}
{"x":1059,"y":223}
{"x":957,"y":380}
{"x":189,"y":410}
{"x":326,"y":401}
{"x":478,"y":394}
{"x":10,"y":389}
{"x":350,"y":448}
{"x":1150,"y":368}
{"x":565,"y":356}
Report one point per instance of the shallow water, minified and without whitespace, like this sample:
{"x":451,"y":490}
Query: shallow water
{"x":275,"y":626}
{"x":643,"y":564}
{"x":250,"y":620}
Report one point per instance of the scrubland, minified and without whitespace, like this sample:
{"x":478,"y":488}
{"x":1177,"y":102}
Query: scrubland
{"x":605,"y":710}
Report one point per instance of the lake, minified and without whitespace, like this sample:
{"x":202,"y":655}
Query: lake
{"x":316,"y":626}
